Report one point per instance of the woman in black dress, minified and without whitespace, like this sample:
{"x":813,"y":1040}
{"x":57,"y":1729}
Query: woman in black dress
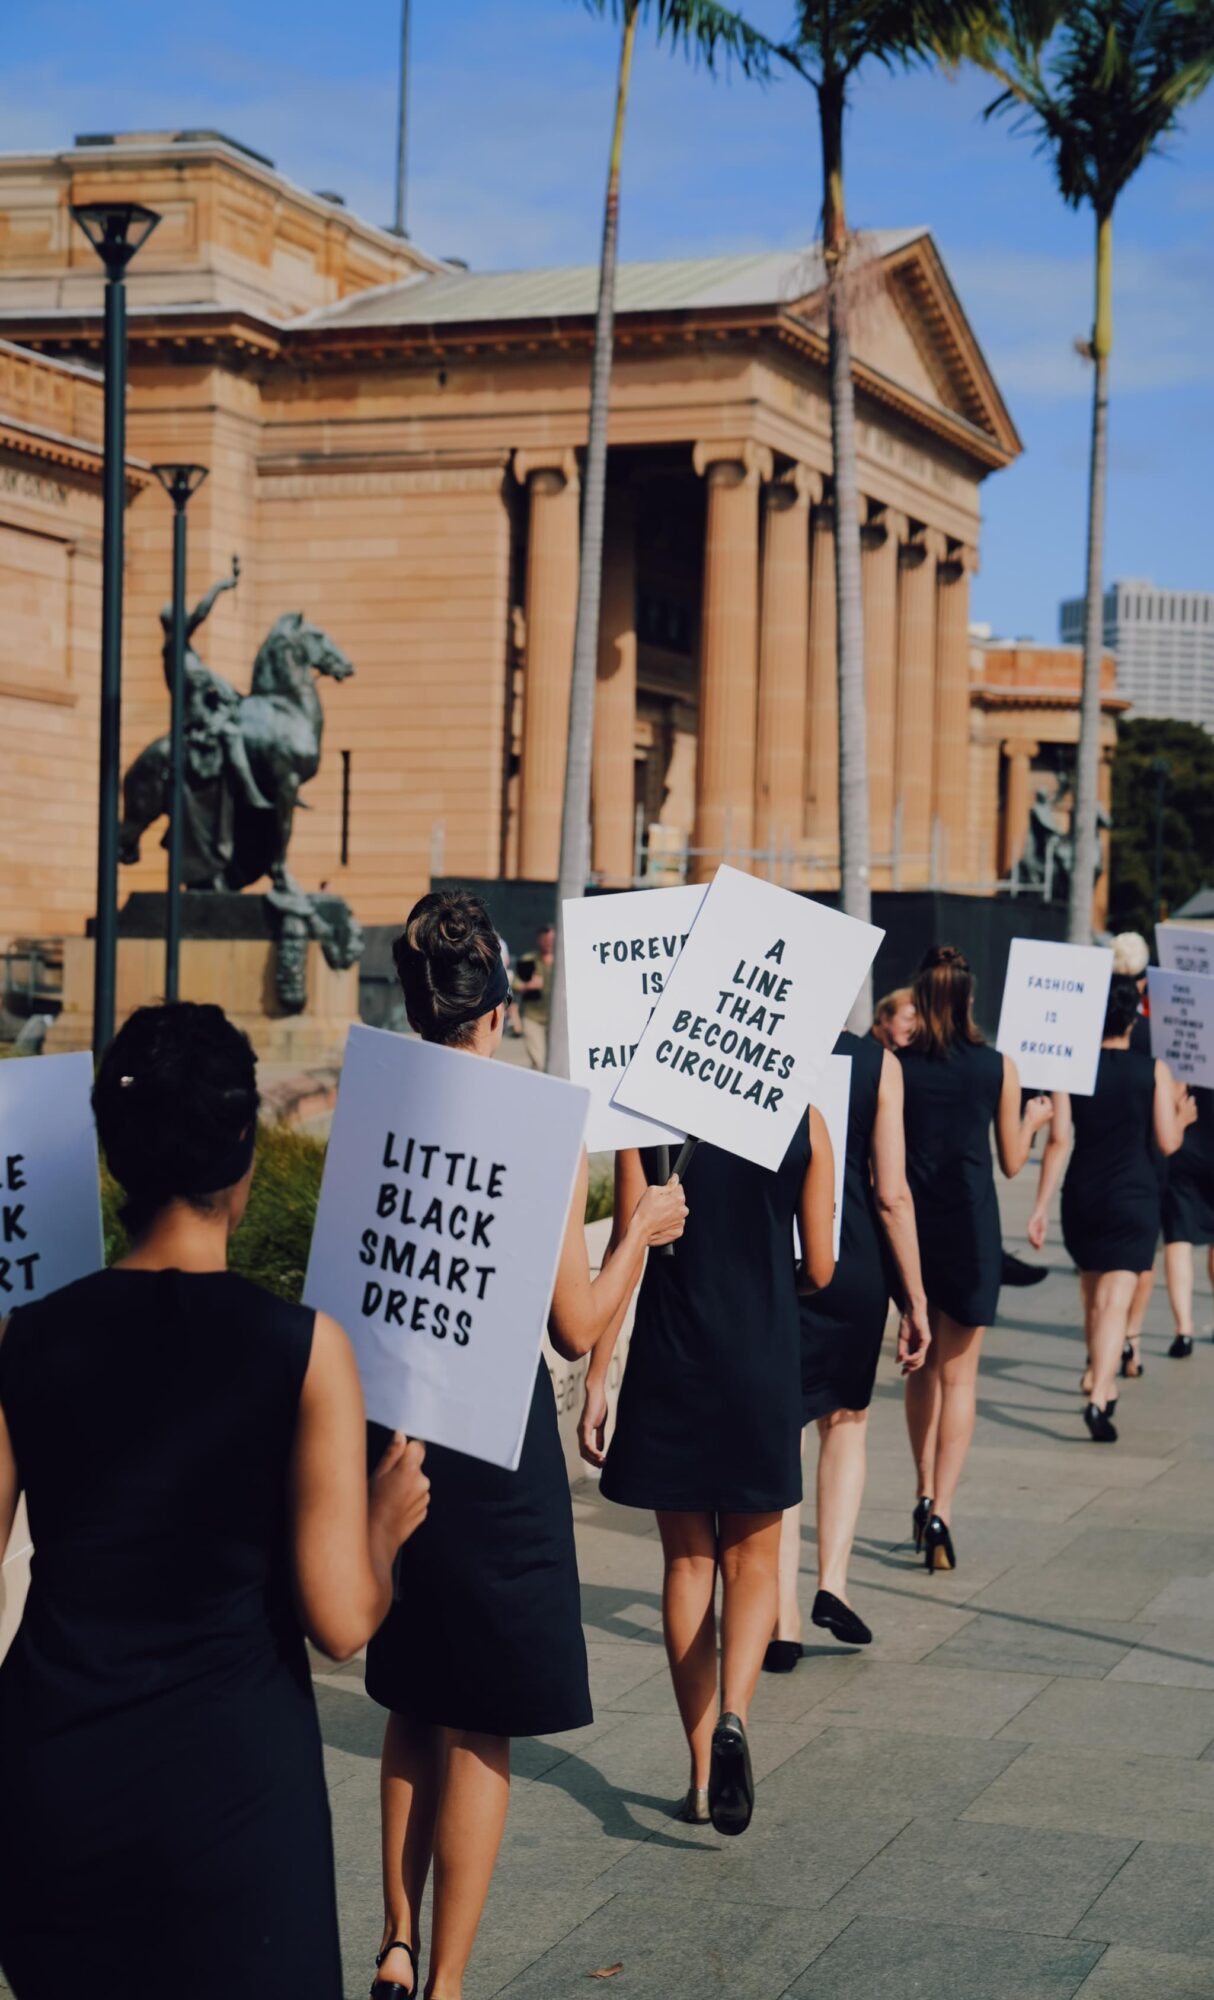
{"x":708,"y":1430}
{"x":485,"y":1639}
{"x":842,"y":1328}
{"x":1188,"y":1218}
{"x":191,"y":1451}
{"x":956,"y":1090}
{"x":1111,"y":1195}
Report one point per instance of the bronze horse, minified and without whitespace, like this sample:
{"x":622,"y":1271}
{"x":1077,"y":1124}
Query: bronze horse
{"x":231,"y":841}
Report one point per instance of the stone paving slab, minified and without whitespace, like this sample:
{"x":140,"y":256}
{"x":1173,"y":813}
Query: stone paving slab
{"x":1126,"y":1973}
{"x":1106,"y":1791}
{"x":888,"y":1958}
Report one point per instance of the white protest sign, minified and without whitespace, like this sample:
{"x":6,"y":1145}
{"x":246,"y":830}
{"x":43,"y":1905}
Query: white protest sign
{"x":618,"y":954}
{"x":50,"y":1189}
{"x":1185,"y":949}
{"x":1052,"y":1019}
{"x":440,"y":1221}
{"x":1182,"y":1023}
{"x":736,"y":1042}
{"x":832,"y":1098}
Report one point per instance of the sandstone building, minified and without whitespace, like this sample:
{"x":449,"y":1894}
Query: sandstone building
{"x":394,"y":448}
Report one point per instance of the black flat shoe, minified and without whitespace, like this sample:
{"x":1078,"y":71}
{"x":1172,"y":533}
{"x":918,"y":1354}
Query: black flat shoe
{"x":1100,"y":1424}
{"x":1181,"y":1347}
{"x":1015,"y":1271}
{"x":938,"y":1545}
{"x":391,"y":1989}
{"x":782,"y":1656}
{"x":731,"y":1785}
{"x":839,"y":1619}
{"x":920,"y":1518}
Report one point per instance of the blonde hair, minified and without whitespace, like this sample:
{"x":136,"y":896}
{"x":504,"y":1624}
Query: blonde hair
{"x":887,"y":1008}
{"x":1131,"y":954}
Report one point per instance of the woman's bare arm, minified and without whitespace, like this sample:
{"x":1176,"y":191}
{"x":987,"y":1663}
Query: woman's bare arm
{"x":1172,"y":1115}
{"x":1014,"y":1132}
{"x":345,"y":1541}
{"x":818,"y":1209}
{"x":10,"y":1478}
{"x":891,"y":1189}
{"x":585,"y":1308}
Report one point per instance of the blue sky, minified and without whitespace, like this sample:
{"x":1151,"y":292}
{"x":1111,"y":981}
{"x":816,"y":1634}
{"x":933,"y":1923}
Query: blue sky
{"x":511,"y":107}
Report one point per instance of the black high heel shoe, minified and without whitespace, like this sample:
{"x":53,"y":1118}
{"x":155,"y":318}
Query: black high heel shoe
{"x":1131,"y":1362}
{"x":391,"y":1989}
{"x":1100,"y":1424}
{"x":919,"y":1520}
{"x":1181,"y":1348}
{"x":938,"y":1545}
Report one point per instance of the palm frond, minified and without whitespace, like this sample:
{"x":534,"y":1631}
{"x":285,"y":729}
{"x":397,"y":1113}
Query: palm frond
{"x":703,"y":30}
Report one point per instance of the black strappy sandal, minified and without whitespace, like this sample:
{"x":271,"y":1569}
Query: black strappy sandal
{"x":391,"y":1989}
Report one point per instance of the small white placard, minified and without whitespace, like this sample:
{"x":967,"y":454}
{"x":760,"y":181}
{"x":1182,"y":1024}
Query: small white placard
{"x":1183,"y":948}
{"x":50,"y":1189}
{"x":619,"y":951}
{"x":441,"y":1216}
{"x":1182,"y":1023}
{"x":736,"y":1042}
{"x":1052,"y":1020}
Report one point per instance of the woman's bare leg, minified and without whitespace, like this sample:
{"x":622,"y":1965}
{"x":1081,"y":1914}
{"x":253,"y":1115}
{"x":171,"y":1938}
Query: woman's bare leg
{"x":1178,"y":1265}
{"x":689,"y":1545}
{"x":1138,"y":1312}
{"x":1112,"y":1296}
{"x":923,"y":1413}
{"x":1087,"y":1281}
{"x":956,"y":1349}
{"x":788,"y":1612}
{"x":467,"y":1837}
{"x":410,"y":1780}
{"x":842,"y":1462}
{"x":749,"y":1558}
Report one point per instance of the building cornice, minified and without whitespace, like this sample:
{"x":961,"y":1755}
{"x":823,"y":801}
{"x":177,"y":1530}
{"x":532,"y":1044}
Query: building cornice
{"x":1006,"y":697}
{"x":73,"y":454}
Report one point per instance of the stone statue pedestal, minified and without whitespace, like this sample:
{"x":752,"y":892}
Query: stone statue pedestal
{"x":228,"y":956}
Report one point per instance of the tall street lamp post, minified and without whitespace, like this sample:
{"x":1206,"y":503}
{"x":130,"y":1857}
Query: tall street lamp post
{"x":116,"y":231}
{"x":1163,"y":771}
{"x":180,"y":482}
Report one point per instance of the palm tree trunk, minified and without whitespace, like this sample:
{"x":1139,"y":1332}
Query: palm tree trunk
{"x":855,"y":893}
{"x":1087,"y":762}
{"x":575,"y":813}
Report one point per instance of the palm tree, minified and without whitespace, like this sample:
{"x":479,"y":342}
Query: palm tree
{"x":831,"y":42}
{"x":712,"y":34}
{"x":1100,"y":97}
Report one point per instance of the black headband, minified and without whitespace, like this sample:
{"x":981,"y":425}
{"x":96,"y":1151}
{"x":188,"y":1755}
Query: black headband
{"x":495,"y":994}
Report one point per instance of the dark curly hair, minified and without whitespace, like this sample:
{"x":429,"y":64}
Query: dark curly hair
{"x":176,"y":1107}
{"x":446,"y":957}
{"x":944,"y":1001}
{"x":1123,"y":1004}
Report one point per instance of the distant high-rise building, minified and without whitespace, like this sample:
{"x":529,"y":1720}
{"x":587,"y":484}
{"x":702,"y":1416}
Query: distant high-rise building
{"x":1164,"y":643}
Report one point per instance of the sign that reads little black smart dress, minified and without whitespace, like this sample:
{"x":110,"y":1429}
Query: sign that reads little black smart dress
{"x":1182,"y":1024}
{"x":737,"y":1039}
{"x":442,"y":1211}
{"x":619,"y":953}
{"x":1052,"y":1020}
{"x":50,"y":1190}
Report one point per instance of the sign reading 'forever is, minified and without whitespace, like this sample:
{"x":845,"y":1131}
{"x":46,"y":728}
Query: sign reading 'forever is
{"x":619,"y":953}
{"x":50,"y":1192}
{"x":1052,"y":1020}
{"x":440,"y":1222}
{"x":736,"y":1041}
{"x":1182,"y":1024}
{"x":1185,"y":948}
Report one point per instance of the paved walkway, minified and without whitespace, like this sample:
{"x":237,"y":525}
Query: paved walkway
{"x":1009,"y":1797}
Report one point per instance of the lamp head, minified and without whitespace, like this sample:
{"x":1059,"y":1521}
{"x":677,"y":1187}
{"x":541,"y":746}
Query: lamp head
{"x":116,"y":230}
{"x":180,"y":482}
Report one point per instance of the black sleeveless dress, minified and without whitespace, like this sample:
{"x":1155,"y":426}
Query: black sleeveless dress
{"x":709,"y":1418}
{"x":1111,"y":1194}
{"x":951,"y":1102}
{"x":1188,"y":1196}
{"x":163,"y":1817}
{"x":843,"y":1326}
{"x":486,"y":1630}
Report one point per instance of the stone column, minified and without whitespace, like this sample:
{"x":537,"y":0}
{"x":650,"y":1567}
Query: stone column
{"x":729,"y":652}
{"x":551,"y":608}
{"x":916,"y":690}
{"x":613,"y":787}
{"x":880,"y":540}
{"x":822,"y":703}
{"x":783,"y":640}
{"x":1016,"y":801}
{"x":951,"y":761}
